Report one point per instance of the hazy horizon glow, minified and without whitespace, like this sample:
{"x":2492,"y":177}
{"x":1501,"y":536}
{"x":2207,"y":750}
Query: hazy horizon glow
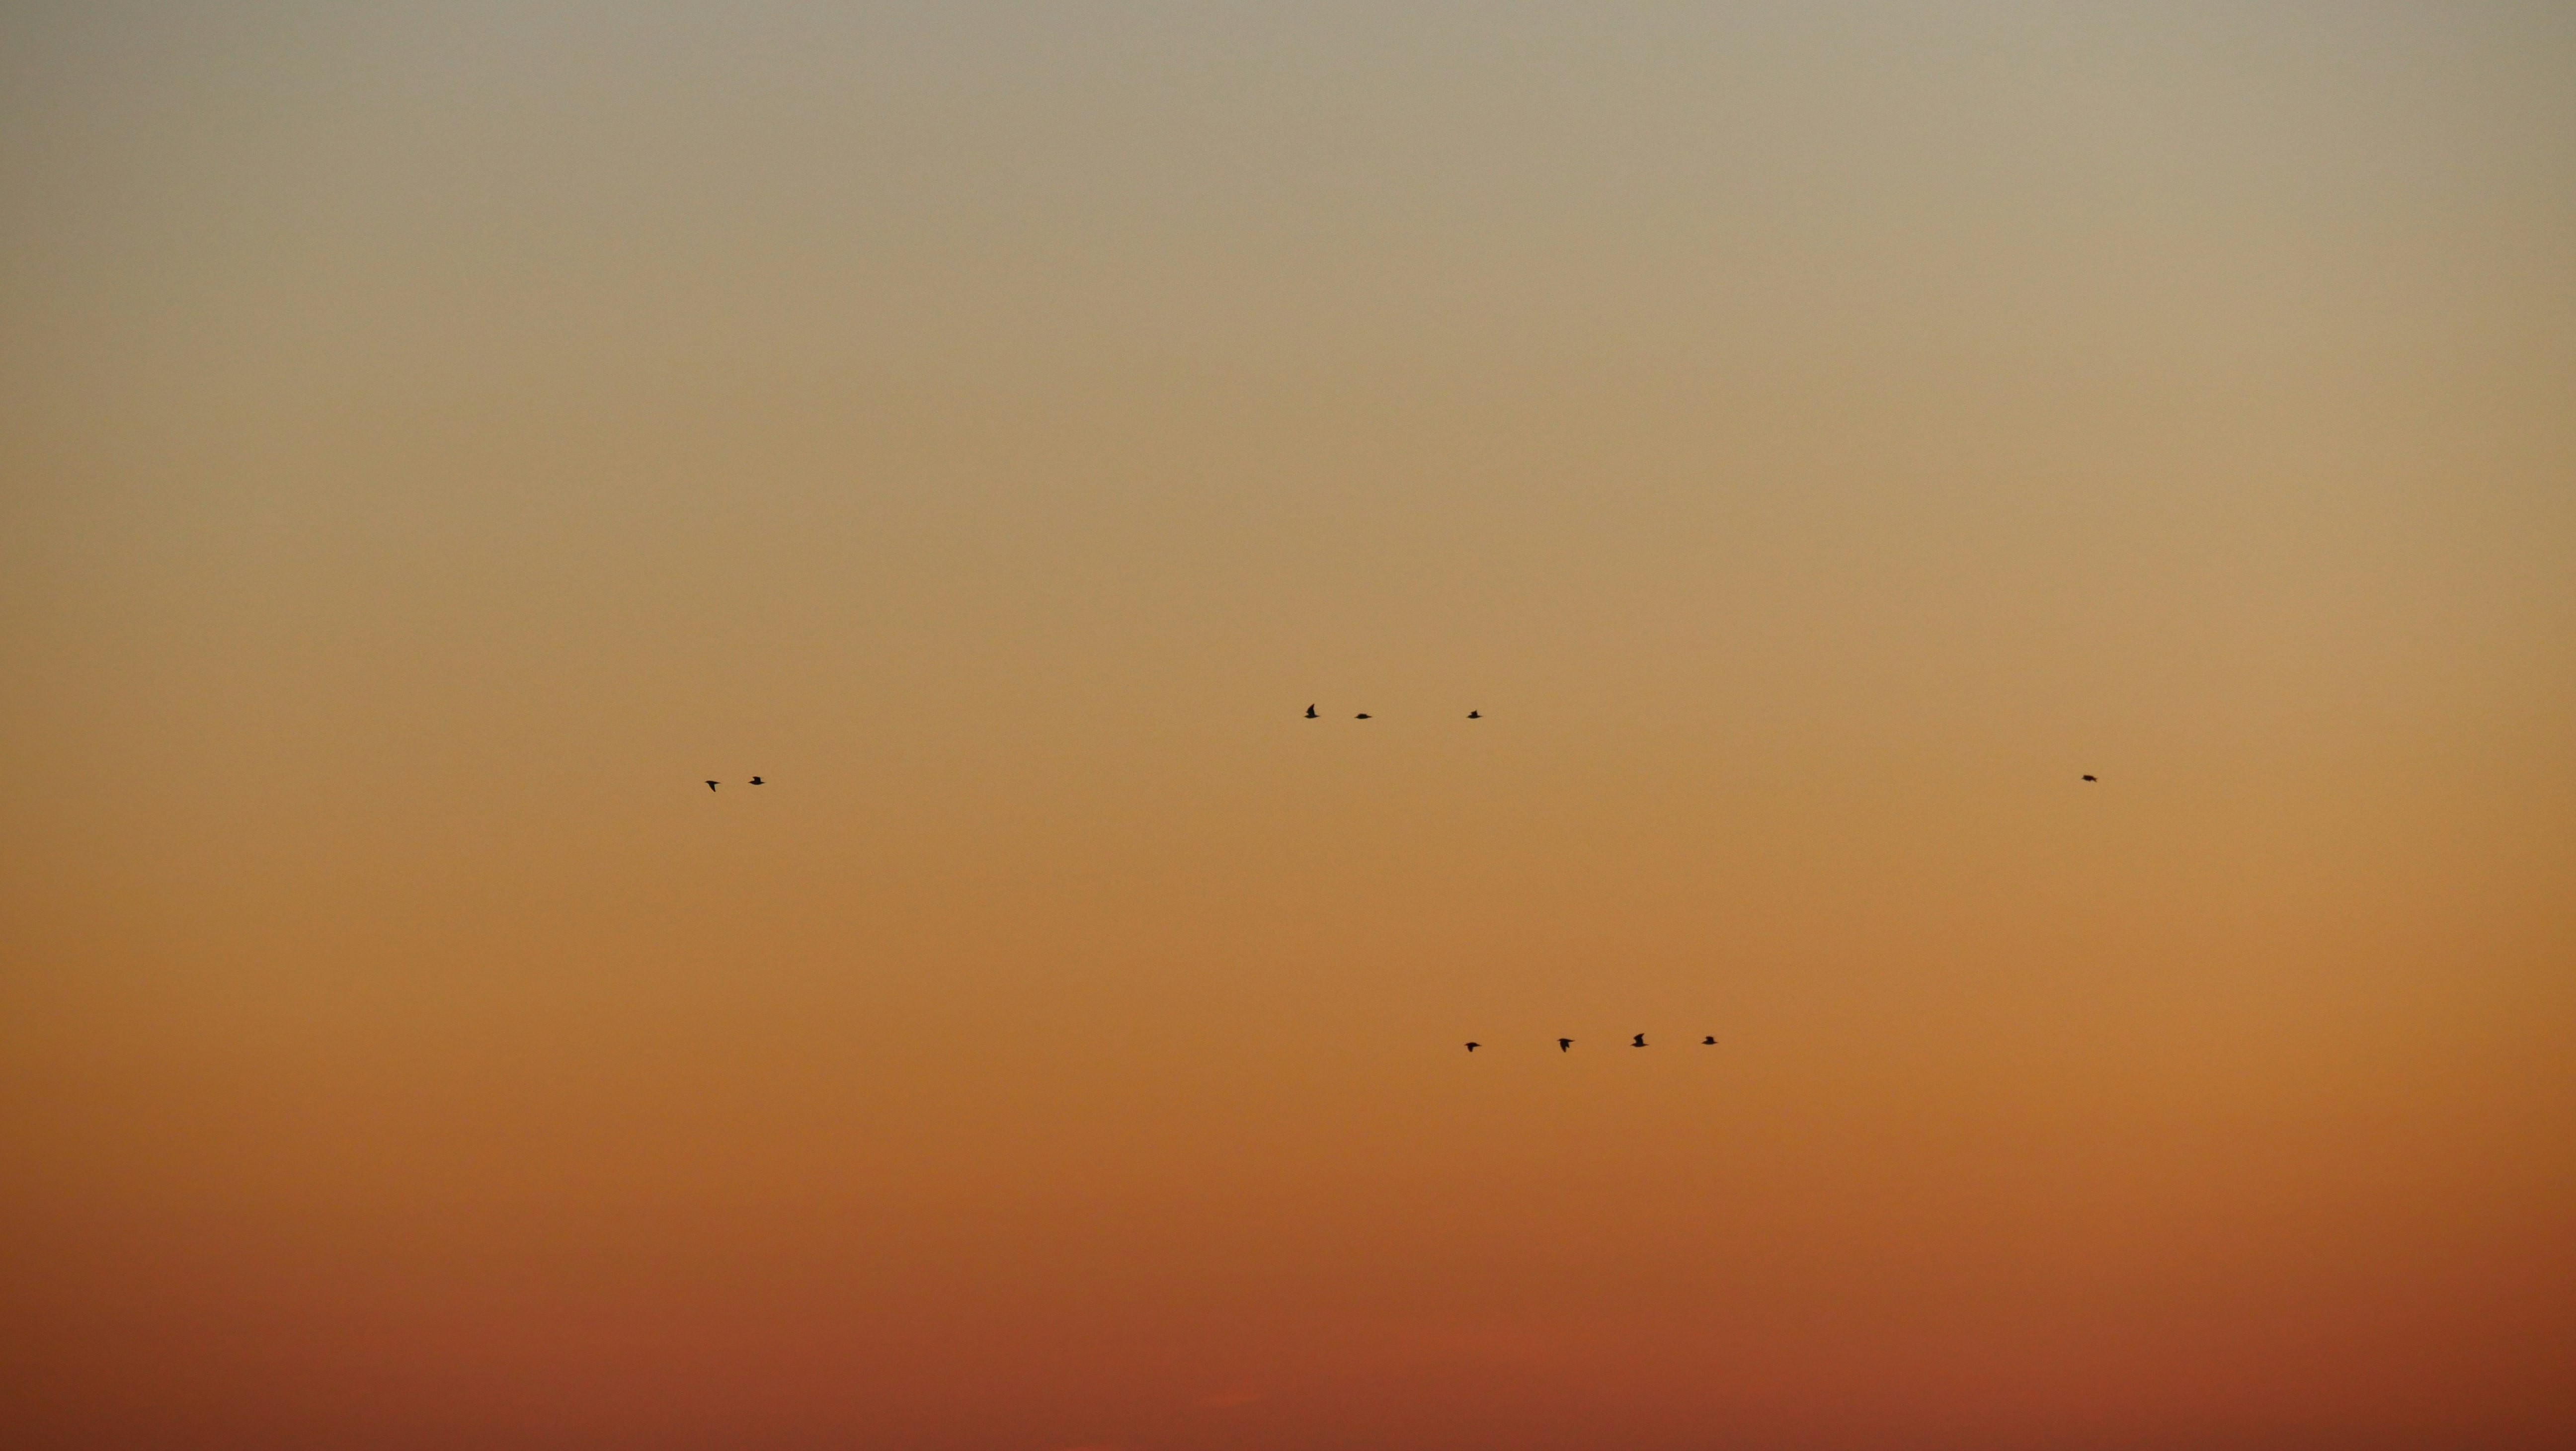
{"x":438,"y":438}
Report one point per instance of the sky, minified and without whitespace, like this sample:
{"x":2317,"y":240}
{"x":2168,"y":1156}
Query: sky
{"x":437,"y":438}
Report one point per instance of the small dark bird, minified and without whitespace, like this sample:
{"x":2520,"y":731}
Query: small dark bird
{"x":1363,"y":715}
{"x":1310,"y":712}
{"x":1472,"y":1047}
{"x":711,"y":785}
{"x":756,"y":781}
{"x":2088,"y":778}
{"x":1565,"y":1045}
{"x":1475,"y":715}
{"x":1640,"y":1043}
{"x":1709,"y":1042}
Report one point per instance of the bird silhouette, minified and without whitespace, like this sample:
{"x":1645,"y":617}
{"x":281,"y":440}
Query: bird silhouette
{"x":1565,"y":1045}
{"x":1640,"y":1043}
{"x":1475,"y":715}
{"x":1310,"y":712}
{"x":756,"y":781}
{"x":2088,"y":778}
{"x":1709,"y":1042}
{"x":1363,"y":715}
{"x":711,"y":785}
{"x":1472,"y":1047}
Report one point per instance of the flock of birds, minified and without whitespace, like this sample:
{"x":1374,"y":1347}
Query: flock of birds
{"x":1563,"y":1045}
{"x":1566,"y":1045}
{"x":1364,"y":715}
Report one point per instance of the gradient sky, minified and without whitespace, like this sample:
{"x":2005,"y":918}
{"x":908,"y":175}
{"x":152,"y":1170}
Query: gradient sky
{"x":436,"y":438}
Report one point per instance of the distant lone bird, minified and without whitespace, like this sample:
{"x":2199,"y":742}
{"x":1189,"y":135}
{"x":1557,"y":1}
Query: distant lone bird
{"x":2088,"y":778}
{"x":1708,"y":1042}
{"x":1565,"y":1045}
{"x":1640,"y":1043}
{"x":1475,"y":715}
{"x":1363,"y":715}
{"x":1472,"y":1047}
{"x":1310,"y":712}
{"x":756,"y":781}
{"x":711,"y":785}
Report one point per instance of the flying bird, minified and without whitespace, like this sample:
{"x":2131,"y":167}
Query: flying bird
{"x":2088,"y":778}
{"x":1708,"y":1042}
{"x":1363,"y":715}
{"x":1472,"y":1047}
{"x":1565,"y":1045}
{"x":756,"y":781}
{"x":1310,"y":712}
{"x":1640,"y":1043}
{"x":711,"y":785}
{"x":1475,"y":715}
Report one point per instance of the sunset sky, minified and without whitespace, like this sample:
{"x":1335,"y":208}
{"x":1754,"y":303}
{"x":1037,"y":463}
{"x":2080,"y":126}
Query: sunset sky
{"x":436,"y":438}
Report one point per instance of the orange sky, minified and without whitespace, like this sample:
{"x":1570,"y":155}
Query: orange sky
{"x":436,"y":439}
